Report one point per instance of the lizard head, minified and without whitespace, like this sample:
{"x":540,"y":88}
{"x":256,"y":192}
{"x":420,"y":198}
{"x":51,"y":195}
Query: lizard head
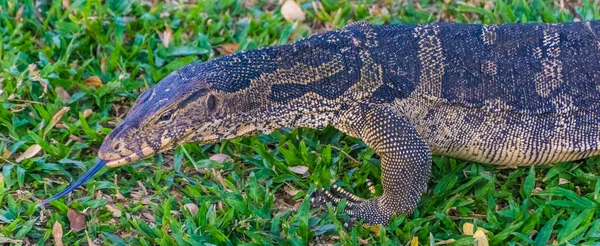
{"x":163,"y":116}
{"x":178,"y":107}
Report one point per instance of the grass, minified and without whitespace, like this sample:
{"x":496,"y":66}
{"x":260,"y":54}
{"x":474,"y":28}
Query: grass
{"x":51,"y":50}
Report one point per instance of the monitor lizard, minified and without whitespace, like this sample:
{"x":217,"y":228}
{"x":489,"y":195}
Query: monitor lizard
{"x":507,"y":94}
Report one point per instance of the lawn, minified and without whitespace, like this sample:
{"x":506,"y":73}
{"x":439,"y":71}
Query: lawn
{"x":71,"y":70}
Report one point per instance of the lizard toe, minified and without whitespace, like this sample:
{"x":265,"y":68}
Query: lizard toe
{"x":371,"y":211}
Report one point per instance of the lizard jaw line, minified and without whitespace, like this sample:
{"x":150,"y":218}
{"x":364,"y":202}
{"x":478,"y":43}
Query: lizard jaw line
{"x":130,"y":158}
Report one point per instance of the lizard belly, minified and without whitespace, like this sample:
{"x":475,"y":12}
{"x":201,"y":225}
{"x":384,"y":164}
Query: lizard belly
{"x":505,"y":138}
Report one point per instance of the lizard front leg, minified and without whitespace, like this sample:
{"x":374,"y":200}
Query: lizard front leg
{"x":405,"y":163}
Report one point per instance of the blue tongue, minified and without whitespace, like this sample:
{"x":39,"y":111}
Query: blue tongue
{"x":86,"y":176}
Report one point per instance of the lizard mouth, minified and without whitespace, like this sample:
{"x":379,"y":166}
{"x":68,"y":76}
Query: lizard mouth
{"x":147,"y":151}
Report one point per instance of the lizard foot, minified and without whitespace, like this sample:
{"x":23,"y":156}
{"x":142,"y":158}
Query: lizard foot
{"x":372,"y":211}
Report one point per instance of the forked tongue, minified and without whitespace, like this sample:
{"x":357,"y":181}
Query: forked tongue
{"x":86,"y":176}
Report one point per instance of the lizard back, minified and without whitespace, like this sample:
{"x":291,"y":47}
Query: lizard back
{"x":505,"y":94}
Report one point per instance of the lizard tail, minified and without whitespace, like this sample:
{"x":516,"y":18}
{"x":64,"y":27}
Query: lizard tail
{"x":86,"y":176}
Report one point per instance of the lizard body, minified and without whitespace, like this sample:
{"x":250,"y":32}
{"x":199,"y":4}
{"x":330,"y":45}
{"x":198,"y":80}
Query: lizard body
{"x":515,"y":94}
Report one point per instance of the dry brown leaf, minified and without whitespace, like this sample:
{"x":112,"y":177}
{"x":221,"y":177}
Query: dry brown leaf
{"x":192,"y":208}
{"x":220,"y":158}
{"x":76,"y":219}
{"x":116,"y":212}
{"x":103,"y":64}
{"x":6,"y":154}
{"x":19,"y":13}
{"x":219,"y":177}
{"x":30,"y":152}
{"x":118,"y":196}
{"x":300,"y":170}
{"x":90,"y":241}
{"x":249,"y":3}
{"x":444,"y":242}
{"x":468,"y":229}
{"x":480,"y":238}
{"x":56,"y":118}
{"x":57,"y":233}
{"x":35,"y":76}
{"x":414,"y":241}
{"x":93,"y":81}
{"x":562,"y":181}
{"x":291,"y":192}
{"x":17,"y":108}
{"x":66,"y":4}
{"x":291,"y":11}
{"x":75,"y":138}
{"x":64,"y":96}
{"x":87,"y":113}
{"x":227,"y":49}
{"x":167,"y":35}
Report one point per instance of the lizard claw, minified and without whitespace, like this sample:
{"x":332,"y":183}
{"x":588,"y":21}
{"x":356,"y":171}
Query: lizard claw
{"x":372,"y":211}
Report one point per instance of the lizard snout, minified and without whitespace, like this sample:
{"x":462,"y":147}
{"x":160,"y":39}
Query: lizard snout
{"x":113,"y":150}
{"x":113,"y":147}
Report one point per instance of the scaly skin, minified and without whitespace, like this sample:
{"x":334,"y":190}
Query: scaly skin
{"x":501,"y":94}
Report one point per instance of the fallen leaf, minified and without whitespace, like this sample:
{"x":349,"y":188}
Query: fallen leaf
{"x":87,"y":113}
{"x":480,"y":238}
{"x":291,"y":11}
{"x":300,"y":170}
{"x":167,"y":35}
{"x":468,"y":229}
{"x":17,"y":108}
{"x":219,"y":177}
{"x":118,"y":196}
{"x":35,"y":76}
{"x":57,"y":233}
{"x":375,"y":10}
{"x":56,"y":118}
{"x":220,"y":158}
{"x":249,"y":3}
{"x":64,"y":96}
{"x":291,"y":192}
{"x":19,"y":13}
{"x":115,"y":211}
{"x":192,"y":208}
{"x":75,"y":138}
{"x":444,"y":242}
{"x":562,"y":181}
{"x":76,"y":219}
{"x":5,"y":154}
{"x":30,"y":152}
{"x":226,"y":49}
{"x":93,"y":81}
{"x":89,"y":240}
{"x":65,"y":4}
{"x":103,"y":64}
{"x":414,"y":241}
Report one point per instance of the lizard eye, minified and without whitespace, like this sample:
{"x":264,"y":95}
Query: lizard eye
{"x":211,"y":103}
{"x":166,"y":116}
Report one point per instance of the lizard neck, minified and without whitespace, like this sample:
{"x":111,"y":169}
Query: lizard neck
{"x":303,"y":84}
